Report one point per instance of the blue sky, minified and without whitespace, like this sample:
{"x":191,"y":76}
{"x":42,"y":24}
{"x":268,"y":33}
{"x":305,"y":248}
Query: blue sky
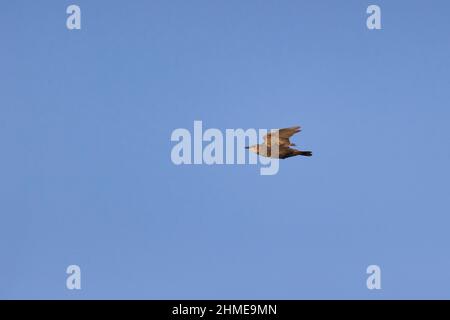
{"x":86,"y":175}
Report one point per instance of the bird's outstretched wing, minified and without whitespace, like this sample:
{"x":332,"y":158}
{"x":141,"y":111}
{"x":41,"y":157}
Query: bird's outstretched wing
{"x":281,"y":136}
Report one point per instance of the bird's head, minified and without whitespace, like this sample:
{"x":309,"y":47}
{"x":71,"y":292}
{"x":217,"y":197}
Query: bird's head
{"x":252,"y":148}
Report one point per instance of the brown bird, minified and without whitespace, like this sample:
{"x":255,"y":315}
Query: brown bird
{"x":281,"y":139}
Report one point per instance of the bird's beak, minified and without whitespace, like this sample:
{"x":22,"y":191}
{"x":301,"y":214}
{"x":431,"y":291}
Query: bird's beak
{"x":247,"y":147}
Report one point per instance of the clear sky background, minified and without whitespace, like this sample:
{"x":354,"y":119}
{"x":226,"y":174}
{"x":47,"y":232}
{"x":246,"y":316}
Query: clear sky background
{"x":86,"y":176}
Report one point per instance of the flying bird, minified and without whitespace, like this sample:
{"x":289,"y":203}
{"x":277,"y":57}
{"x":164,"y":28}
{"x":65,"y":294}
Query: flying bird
{"x":281,"y":139}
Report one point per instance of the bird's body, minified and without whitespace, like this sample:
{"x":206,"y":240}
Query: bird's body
{"x":277,"y":145}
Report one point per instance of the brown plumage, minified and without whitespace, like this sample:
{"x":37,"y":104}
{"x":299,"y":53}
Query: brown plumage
{"x":281,"y":139}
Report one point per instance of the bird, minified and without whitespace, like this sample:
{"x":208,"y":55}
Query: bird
{"x":279,"y":137}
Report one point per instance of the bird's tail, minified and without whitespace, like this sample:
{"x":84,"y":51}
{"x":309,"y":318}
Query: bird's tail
{"x":304,"y":153}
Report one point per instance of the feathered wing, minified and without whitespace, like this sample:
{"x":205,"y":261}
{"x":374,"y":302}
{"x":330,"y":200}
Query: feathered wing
{"x":281,"y":136}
